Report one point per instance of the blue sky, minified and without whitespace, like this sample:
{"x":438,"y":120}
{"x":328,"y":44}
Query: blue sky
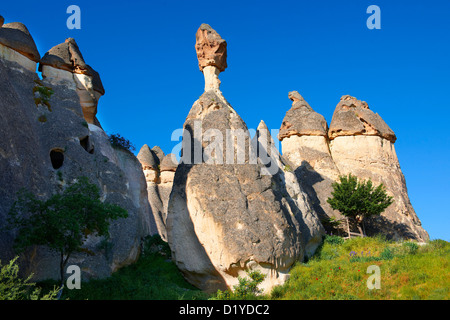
{"x":144,"y":52}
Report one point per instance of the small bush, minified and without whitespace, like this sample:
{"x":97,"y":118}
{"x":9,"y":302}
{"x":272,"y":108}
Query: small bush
{"x":246,"y":289}
{"x":387,"y":254}
{"x":411,"y":247}
{"x":334,"y":240}
{"x":117,"y":141}
{"x":12,"y":287}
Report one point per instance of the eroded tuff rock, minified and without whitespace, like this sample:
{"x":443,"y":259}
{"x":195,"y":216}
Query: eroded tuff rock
{"x":304,"y":139}
{"x":17,"y":45}
{"x":43,"y":150}
{"x":353,"y":117}
{"x":65,"y":63}
{"x":363,"y":144}
{"x":159,"y":170}
{"x":300,"y":204}
{"x":301,"y":120}
{"x":358,"y":142}
{"x":211,"y":48}
{"x":226,"y":215}
{"x":16,"y":36}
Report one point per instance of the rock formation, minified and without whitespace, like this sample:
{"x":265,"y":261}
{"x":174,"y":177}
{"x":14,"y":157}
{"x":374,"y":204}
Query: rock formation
{"x":17,"y":45}
{"x":65,"y":62}
{"x":231,"y":205}
{"x":304,"y":139}
{"x":225,"y":217}
{"x":358,"y":142}
{"x":159,"y":170}
{"x":212,"y":55}
{"x":362,"y":144}
{"x":47,"y":145}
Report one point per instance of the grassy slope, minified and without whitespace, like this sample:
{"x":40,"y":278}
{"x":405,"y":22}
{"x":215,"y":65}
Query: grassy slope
{"x":408,"y":271}
{"x":152,"y":277}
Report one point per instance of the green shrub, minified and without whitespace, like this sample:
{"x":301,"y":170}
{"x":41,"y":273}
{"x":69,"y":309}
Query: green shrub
{"x":334,"y":240}
{"x":387,"y":254}
{"x":12,"y":287}
{"x":411,"y":247}
{"x":246,"y":289}
{"x":42,"y":94}
{"x":117,"y":141}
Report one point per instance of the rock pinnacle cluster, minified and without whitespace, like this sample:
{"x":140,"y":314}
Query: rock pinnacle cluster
{"x":230,"y":203}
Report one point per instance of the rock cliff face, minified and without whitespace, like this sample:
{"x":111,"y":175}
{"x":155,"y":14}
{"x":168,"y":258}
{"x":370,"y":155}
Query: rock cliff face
{"x":225,"y":215}
{"x":362,"y":144}
{"x":358,"y":142}
{"x":47,"y":143}
{"x":304,"y":139}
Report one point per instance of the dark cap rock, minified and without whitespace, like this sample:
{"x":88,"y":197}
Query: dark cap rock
{"x":67,"y":56}
{"x":353,"y":117}
{"x":16,"y":36}
{"x":301,"y":119}
{"x":2,"y":20}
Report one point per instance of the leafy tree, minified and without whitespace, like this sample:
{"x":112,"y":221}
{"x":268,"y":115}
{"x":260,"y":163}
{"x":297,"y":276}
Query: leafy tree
{"x":64,"y":221}
{"x":358,"y":199}
{"x":12,"y":287}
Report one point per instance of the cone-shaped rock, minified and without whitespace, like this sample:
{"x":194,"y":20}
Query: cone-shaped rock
{"x":226,"y":215}
{"x":363,"y":144}
{"x":353,"y":117}
{"x":303,"y":135}
{"x":147,"y":158}
{"x":65,"y":63}
{"x":302,"y":120}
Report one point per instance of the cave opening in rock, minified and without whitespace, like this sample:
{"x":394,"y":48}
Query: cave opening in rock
{"x":57,"y":158}
{"x":87,"y":145}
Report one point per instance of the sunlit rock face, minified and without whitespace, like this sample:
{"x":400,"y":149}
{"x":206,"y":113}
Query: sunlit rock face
{"x":362,"y":144}
{"x":226,"y":217}
{"x":358,"y":141}
{"x":304,"y":140}
{"x":65,"y":63}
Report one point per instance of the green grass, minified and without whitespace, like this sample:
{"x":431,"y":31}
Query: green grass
{"x":338,"y":271}
{"x":153,"y":277}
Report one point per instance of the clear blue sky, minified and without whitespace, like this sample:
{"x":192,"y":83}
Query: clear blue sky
{"x":144,"y":52}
